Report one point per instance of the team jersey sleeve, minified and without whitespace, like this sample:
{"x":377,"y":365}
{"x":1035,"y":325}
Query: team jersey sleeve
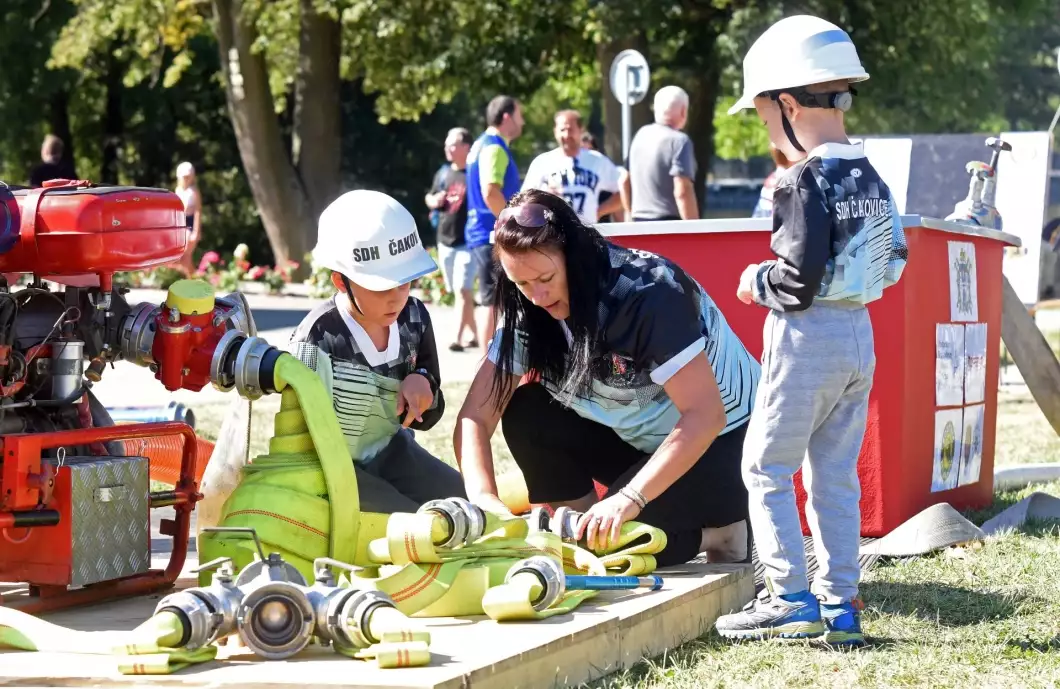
{"x":801,"y":242}
{"x":311,"y":349}
{"x":659,"y":326}
{"x":535,"y":179}
{"x":609,"y":175}
{"x":518,"y":363}
{"x":493,"y":163}
{"x":427,"y":358}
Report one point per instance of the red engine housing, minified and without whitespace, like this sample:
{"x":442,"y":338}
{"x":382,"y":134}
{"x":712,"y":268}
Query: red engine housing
{"x":74,"y":230}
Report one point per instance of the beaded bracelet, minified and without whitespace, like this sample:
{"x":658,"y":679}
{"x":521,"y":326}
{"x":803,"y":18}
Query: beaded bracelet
{"x":634,"y":495}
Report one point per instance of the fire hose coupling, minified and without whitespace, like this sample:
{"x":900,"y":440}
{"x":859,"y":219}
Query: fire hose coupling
{"x":274,"y":610}
{"x":549,"y":574}
{"x":563,"y":522}
{"x":208,"y":613}
{"x":555,"y":582}
{"x":195,"y":338}
{"x":465,"y":522}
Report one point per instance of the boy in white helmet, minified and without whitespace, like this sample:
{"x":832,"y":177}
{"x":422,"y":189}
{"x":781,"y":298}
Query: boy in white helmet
{"x":838,"y":241}
{"x":374,"y":348}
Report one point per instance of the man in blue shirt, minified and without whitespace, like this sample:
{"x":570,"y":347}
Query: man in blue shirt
{"x":492,"y":180}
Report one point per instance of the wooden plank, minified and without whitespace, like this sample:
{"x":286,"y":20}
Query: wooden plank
{"x":1031,"y":354}
{"x":610,"y":632}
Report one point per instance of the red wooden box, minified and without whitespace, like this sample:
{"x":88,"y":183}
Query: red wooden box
{"x":898,"y":453}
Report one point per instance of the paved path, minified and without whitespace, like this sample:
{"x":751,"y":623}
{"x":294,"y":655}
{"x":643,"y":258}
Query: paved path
{"x":276,"y":317}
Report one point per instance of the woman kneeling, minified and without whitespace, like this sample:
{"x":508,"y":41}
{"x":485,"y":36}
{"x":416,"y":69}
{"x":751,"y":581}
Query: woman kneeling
{"x":610,"y":365}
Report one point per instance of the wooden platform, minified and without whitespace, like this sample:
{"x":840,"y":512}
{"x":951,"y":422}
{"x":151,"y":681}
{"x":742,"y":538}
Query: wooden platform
{"x":606,"y":634}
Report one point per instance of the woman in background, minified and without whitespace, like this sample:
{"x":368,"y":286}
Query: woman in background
{"x":188,"y":191}
{"x":764,"y":207}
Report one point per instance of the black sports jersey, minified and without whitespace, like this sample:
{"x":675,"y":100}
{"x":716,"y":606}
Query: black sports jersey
{"x":362,"y":380}
{"x":655,"y":319}
{"x":837,"y":233}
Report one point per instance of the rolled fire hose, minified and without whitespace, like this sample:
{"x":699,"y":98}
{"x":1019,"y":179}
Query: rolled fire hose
{"x":286,"y":495}
{"x":150,"y":649}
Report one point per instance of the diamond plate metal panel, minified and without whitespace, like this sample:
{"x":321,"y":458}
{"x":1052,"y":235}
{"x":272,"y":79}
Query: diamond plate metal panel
{"x":110,"y":521}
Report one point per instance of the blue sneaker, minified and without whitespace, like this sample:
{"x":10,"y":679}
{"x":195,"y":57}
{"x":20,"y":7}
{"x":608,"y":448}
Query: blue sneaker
{"x":791,"y":616}
{"x":843,"y":624}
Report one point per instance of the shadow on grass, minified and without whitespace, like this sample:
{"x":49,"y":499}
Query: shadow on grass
{"x":951,"y":606}
{"x":1017,"y":649}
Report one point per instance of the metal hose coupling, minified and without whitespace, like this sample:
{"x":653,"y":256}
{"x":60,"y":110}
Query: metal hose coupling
{"x":273,"y":617}
{"x":344,"y":614}
{"x":548,"y":572}
{"x":563,"y":522}
{"x":465,"y":522}
{"x":209,"y":612}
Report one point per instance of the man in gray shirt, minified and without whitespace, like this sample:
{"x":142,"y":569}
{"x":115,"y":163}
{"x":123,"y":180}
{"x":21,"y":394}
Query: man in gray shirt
{"x":662,"y":164}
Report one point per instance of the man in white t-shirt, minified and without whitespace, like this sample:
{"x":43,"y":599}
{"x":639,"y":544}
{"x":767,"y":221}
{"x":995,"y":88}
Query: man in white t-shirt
{"x":575,"y":173}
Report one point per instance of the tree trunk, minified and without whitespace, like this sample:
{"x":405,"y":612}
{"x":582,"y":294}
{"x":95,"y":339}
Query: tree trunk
{"x":316,"y":148}
{"x":641,"y":115}
{"x":282,"y":202}
{"x":702,"y":87}
{"x":113,"y":122}
{"x":59,"y":122}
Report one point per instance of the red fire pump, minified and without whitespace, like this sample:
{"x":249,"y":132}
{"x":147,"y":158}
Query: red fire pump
{"x":75,"y":500}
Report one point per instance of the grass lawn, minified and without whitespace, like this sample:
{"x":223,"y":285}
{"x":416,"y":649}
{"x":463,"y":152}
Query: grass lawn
{"x":983,"y":617}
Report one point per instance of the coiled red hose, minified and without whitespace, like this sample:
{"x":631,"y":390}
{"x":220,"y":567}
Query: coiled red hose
{"x":164,"y":453}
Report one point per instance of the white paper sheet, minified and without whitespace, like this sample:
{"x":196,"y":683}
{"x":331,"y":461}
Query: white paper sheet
{"x":972,"y":440}
{"x":949,"y":365}
{"x":948,"y":448}
{"x":964,"y":295}
{"x":975,"y":363}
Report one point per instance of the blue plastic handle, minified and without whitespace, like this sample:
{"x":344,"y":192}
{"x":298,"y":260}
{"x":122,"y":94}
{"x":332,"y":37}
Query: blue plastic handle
{"x":578,"y":582}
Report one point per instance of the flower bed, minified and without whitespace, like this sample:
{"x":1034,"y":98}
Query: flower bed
{"x":237,"y":274}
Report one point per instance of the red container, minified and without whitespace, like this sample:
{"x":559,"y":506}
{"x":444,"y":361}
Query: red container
{"x":898,"y":453}
{"x":91,"y":231}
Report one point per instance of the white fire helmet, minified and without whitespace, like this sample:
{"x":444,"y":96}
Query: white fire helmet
{"x":372,"y":240}
{"x":798,"y":51}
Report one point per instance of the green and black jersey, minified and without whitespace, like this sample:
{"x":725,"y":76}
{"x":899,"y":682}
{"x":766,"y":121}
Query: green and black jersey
{"x":362,"y":380}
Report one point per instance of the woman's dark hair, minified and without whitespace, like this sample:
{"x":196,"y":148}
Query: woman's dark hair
{"x":585,"y":255}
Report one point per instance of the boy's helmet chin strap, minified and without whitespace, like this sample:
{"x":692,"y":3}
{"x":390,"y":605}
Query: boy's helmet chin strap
{"x":840,"y":100}
{"x":349,"y":293}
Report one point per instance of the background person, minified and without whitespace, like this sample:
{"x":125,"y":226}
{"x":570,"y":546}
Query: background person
{"x":634,"y":359}
{"x":660,"y":184}
{"x":373,"y":346}
{"x":764,"y":207}
{"x":52,"y":164}
{"x":448,"y":197}
{"x":492,"y":179}
{"x":578,"y":174}
{"x":188,"y":191}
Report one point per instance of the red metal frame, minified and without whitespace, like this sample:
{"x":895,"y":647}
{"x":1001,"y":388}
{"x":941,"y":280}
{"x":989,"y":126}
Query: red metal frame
{"x":22,"y":454}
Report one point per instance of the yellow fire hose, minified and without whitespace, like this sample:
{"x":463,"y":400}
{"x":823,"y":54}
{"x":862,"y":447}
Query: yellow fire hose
{"x":287,"y":496}
{"x":150,"y":649}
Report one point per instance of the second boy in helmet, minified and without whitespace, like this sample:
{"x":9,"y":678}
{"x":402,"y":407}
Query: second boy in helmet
{"x":374,"y":347}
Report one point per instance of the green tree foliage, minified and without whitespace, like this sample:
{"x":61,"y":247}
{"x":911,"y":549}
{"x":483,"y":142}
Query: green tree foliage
{"x":135,"y":86}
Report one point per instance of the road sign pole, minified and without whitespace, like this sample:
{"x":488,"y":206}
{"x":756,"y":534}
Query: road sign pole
{"x":629,"y":79}
{"x":627,"y":119}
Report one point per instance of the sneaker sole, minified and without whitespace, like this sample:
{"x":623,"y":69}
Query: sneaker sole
{"x":792,"y":630}
{"x":844,"y":638}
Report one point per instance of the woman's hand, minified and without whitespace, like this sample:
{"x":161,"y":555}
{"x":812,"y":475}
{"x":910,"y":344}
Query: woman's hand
{"x":602,"y":524}
{"x":414,"y":395}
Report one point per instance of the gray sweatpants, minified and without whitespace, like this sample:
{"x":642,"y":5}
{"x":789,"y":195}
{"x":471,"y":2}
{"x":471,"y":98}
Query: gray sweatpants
{"x":810,"y":411}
